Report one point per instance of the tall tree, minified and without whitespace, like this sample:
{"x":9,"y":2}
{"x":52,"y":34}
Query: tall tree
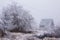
{"x":15,"y":18}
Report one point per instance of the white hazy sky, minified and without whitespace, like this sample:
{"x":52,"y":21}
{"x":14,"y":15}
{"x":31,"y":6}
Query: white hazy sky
{"x":39,"y":8}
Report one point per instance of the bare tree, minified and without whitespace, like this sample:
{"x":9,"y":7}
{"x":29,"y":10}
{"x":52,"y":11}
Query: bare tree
{"x":15,"y":18}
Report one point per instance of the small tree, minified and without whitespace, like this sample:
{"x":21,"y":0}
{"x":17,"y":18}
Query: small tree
{"x":16,"y":19}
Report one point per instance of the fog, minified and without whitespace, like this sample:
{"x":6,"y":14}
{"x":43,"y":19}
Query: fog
{"x":39,"y":9}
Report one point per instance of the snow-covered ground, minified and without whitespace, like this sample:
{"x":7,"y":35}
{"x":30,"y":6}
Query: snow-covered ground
{"x":23,"y":36}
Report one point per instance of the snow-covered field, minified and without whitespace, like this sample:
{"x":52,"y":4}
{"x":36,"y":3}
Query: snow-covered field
{"x":23,"y":36}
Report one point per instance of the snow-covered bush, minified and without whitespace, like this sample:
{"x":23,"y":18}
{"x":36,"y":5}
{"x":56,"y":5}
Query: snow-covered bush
{"x":2,"y":31}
